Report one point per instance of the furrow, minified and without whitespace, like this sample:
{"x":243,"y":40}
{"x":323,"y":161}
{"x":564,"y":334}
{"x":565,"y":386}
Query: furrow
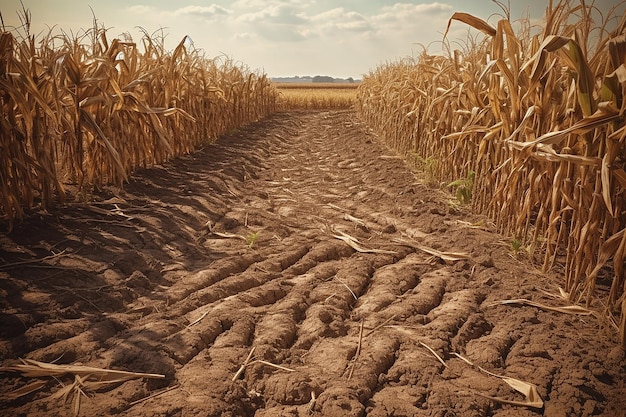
{"x":251,"y":289}
{"x":239,"y":334}
{"x":65,"y":348}
{"x":445,"y":320}
{"x":322,"y":321}
{"x":322,"y":252}
{"x":277,"y":327}
{"x":390,"y":282}
{"x":417,"y":303}
{"x":189,"y":341}
{"x":255,"y":275}
{"x":492,"y":348}
{"x":222,"y":291}
{"x":475,"y":328}
{"x":210,"y":321}
{"x":346,"y":286}
{"x":405,"y":372}
{"x":348,"y":397}
{"x":187,"y":284}
{"x":330,"y":303}
{"x":207,"y":383}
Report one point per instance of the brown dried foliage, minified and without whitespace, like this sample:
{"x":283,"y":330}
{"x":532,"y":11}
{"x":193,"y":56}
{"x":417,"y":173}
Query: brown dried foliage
{"x":88,"y":110}
{"x":540,"y":121}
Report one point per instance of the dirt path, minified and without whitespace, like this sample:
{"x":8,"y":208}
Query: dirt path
{"x":194,"y":265}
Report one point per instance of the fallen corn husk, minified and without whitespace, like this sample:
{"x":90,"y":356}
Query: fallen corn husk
{"x":33,"y":368}
{"x":357,"y":246}
{"x":527,"y":389}
{"x":567,"y":309}
{"x":446,"y":256}
{"x":86,"y":378}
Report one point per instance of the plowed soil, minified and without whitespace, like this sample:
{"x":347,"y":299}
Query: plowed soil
{"x":303,"y":248}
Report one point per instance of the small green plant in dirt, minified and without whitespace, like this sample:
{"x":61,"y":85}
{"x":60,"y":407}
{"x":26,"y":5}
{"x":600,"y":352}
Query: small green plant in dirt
{"x":427,"y":165}
{"x":517,"y":247}
{"x":251,"y":238}
{"x":454,"y":207}
{"x":464,"y":187}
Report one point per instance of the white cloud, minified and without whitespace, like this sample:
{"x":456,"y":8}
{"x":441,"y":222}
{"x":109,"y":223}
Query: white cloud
{"x":339,"y":17}
{"x":329,"y":15}
{"x":426,"y":14}
{"x":141,"y":9}
{"x":244,"y":36}
{"x":273,"y":14}
{"x":204,"y":11}
{"x":422,"y":8}
{"x":338,"y":23}
{"x":261,"y":4}
{"x":355,"y":26}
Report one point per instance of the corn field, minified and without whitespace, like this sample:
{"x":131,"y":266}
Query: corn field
{"x":87,"y":111}
{"x":315,"y":96}
{"x":536,"y":123}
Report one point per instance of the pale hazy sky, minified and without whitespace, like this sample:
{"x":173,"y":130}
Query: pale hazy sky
{"x":280,"y":37}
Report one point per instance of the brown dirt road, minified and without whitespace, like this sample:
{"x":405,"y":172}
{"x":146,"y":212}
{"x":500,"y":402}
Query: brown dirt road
{"x":244,"y":247}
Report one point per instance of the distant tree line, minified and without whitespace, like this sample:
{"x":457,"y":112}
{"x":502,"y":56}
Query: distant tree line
{"x":315,"y":79}
{"x":327,"y":79}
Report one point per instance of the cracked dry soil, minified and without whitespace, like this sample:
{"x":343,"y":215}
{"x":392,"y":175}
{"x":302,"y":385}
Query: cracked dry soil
{"x":194,"y":264}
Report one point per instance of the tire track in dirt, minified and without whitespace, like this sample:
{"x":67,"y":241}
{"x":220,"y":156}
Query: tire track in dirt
{"x":234,"y":250}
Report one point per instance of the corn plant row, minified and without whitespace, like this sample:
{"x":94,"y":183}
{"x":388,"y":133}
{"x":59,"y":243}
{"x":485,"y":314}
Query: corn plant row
{"x":537,"y":121}
{"x":87,"y":110}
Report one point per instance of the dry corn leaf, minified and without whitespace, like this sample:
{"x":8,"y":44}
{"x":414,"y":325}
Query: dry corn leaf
{"x":354,"y":219}
{"x":620,"y":134}
{"x":584,"y":76}
{"x":357,"y":246}
{"x":527,"y":389}
{"x":77,"y":397}
{"x":598,"y":119}
{"x":435,"y":354}
{"x":569,"y":309}
{"x":98,"y":133}
{"x":273,"y":365}
{"x":608,"y":249}
{"x":532,"y":400}
{"x":25,"y":390}
{"x":446,"y":256}
{"x":86,"y":378}
{"x":64,"y":392}
{"x":564,"y":295}
{"x":472,"y":21}
{"x":36,"y":369}
{"x":550,"y":44}
{"x":229,"y":235}
{"x":547,"y":153}
{"x":605,"y":175}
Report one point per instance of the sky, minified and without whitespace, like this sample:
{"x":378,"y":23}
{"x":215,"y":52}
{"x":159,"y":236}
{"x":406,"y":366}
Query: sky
{"x":343,"y":39}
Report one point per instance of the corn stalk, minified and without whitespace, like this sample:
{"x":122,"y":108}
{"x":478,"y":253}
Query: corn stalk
{"x":86,"y":111}
{"x":540,"y":121}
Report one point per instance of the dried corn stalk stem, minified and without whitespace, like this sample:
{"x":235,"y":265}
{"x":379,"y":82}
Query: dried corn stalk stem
{"x":539,"y":121}
{"x":88,"y":110}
